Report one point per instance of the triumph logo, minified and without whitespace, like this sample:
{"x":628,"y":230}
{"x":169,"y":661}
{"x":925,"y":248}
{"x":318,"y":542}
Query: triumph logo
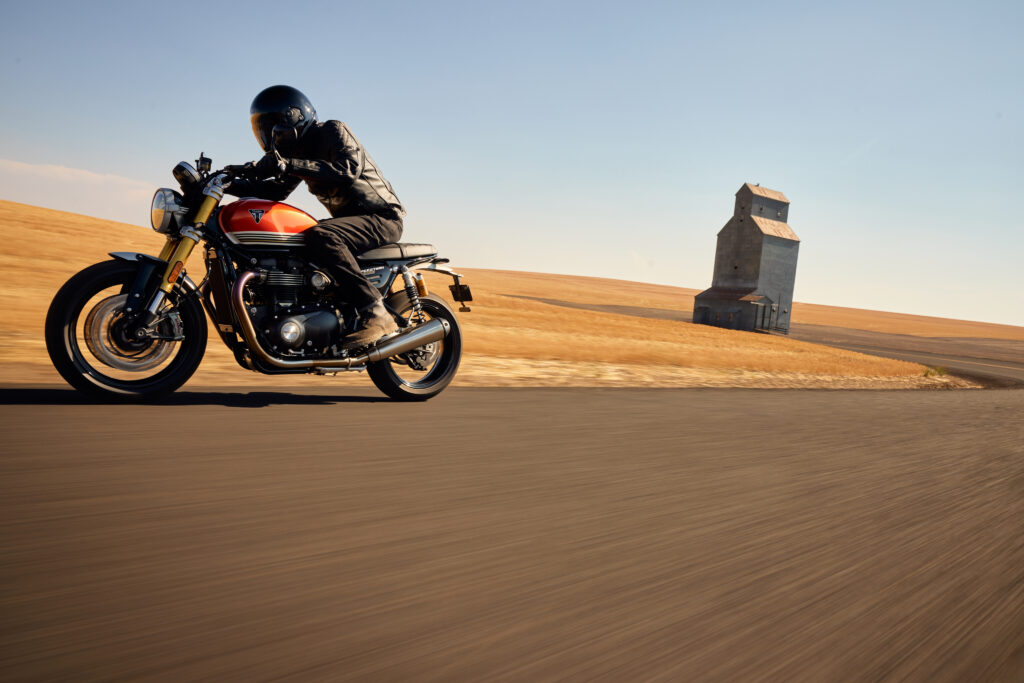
{"x":257,"y":214}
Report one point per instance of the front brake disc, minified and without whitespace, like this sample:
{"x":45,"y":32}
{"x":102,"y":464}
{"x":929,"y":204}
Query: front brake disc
{"x":109,"y":347}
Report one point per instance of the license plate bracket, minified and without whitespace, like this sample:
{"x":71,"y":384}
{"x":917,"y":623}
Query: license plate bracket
{"x":461,"y":293}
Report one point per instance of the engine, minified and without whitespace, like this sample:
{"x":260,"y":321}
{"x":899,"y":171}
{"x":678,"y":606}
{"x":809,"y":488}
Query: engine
{"x":294,"y":308}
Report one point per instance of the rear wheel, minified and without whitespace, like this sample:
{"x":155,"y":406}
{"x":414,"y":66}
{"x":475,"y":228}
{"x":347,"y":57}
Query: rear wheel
{"x":425,"y":371}
{"x":88,"y":344}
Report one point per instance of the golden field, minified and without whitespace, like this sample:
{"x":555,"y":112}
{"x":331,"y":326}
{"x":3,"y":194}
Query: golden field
{"x":511,"y":337}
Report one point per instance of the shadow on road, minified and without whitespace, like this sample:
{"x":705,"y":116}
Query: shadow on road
{"x":252,"y":399}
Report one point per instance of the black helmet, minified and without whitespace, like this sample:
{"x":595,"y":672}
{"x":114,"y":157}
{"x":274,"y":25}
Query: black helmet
{"x":282,"y":107}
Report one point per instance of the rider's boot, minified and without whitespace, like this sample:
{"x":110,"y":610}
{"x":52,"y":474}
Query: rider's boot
{"x":375,"y":323}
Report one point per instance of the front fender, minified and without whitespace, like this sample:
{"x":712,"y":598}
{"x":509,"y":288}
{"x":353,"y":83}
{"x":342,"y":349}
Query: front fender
{"x":184,"y":280}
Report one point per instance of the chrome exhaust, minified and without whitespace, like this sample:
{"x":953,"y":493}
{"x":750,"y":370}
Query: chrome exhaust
{"x":409,"y":339}
{"x":406,"y":340}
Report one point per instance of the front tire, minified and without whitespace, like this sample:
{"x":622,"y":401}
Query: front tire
{"x":437,"y":362}
{"x":94,"y":360}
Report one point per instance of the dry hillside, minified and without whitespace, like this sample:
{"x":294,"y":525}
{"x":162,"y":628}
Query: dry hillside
{"x":520,"y":331}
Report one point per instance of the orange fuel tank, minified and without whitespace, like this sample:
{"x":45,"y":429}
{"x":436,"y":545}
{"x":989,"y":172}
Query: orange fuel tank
{"x":260,"y":222}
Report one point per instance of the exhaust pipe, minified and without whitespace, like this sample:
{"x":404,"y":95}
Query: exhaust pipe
{"x":406,"y":340}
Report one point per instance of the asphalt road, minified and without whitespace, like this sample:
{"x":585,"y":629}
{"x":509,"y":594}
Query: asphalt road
{"x":505,"y":534}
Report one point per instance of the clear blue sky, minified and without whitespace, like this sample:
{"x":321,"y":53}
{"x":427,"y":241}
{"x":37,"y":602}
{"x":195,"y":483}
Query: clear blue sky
{"x":589,"y":138}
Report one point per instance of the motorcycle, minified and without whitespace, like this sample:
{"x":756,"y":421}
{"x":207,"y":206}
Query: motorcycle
{"x":134,"y":326}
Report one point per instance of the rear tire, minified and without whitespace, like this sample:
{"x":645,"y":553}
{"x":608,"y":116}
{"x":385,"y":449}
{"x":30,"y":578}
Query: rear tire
{"x":65,"y":342}
{"x":445,"y":361}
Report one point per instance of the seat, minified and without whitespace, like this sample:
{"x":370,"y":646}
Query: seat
{"x":394,"y":252}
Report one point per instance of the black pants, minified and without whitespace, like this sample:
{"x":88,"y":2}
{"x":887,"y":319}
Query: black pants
{"x":333,"y":244}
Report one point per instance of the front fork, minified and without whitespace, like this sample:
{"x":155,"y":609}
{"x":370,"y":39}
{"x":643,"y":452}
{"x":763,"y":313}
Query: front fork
{"x":174,"y":254}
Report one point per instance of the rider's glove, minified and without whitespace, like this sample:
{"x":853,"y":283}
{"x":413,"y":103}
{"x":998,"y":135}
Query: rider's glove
{"x":271,"y":165}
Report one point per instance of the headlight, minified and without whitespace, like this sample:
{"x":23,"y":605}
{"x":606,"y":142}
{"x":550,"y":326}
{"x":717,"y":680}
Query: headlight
{"x":165,"y":210}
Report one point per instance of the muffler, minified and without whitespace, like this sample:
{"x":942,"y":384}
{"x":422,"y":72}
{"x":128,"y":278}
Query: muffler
{"x":406,"y":340}
{"x":409,"y":339}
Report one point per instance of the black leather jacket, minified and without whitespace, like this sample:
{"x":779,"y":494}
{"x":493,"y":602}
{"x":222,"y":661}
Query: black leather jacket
{"x":337,"y":171}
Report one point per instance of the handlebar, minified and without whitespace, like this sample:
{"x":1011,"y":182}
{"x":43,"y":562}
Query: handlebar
{"x":245,"y":171}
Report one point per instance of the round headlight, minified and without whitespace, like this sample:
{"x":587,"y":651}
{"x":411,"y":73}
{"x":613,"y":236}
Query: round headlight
{"x":161,"y":213}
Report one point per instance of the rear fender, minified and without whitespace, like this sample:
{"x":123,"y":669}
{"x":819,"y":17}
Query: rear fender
{"x":460,"y":292}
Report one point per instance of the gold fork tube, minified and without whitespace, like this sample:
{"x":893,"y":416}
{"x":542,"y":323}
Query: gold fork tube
{"x":169,"y":246}
{"x":178,"y":253}
{"x":176,"y":263}
{"x":205,"y":209}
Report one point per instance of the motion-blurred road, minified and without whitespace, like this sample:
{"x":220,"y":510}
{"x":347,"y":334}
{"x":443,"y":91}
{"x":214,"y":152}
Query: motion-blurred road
{"x":510,"y":534}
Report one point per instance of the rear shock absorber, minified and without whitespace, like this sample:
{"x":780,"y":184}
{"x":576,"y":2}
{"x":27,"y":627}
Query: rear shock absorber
{"x":412,"y":291}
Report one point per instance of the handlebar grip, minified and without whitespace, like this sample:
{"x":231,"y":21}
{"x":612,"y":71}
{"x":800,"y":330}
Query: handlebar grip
{"x":240,"y":170}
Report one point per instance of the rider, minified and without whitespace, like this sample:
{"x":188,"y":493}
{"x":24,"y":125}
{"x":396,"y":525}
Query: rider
{"x":365,"y":212}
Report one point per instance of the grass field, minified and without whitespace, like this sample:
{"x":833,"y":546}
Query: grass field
{"x":518,"y":333}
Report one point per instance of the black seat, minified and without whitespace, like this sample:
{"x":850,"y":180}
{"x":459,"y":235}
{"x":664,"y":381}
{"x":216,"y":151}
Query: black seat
{"x":394,"y":252}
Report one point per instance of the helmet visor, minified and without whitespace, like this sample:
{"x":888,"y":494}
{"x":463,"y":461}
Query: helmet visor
{"x":263,"y":128}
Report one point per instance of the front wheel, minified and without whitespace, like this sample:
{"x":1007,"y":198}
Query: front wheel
{"x":423,"y":372}
{"x":86,"y":339}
